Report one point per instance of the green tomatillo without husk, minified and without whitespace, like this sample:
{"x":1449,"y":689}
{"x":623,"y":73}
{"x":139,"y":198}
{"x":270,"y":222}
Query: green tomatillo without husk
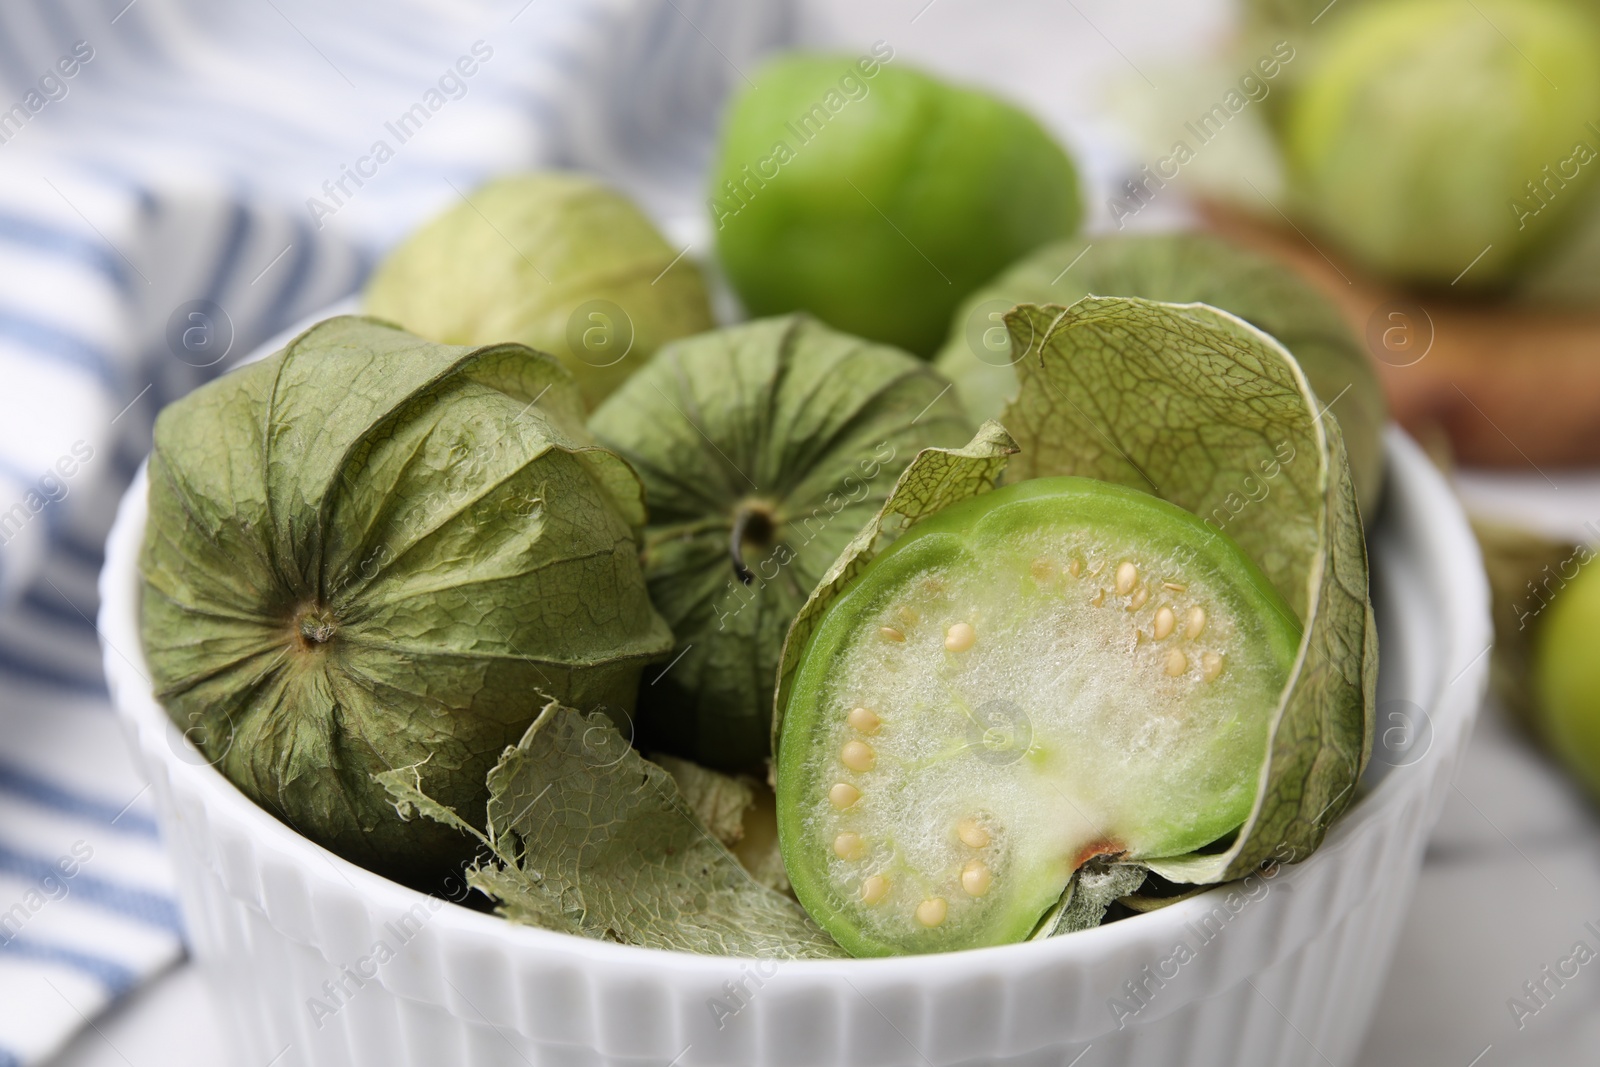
{"x":1178,"y":268}
{"x":763,"y":449}
{"x":554,"y":261}
{"x":1566,"y":672}
{"x":876,"y":197}
{"x":372,"y":551}
{"x":1446,"y":143}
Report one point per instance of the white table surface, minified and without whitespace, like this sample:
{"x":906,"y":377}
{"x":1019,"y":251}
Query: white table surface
{"x":1513,"y":871}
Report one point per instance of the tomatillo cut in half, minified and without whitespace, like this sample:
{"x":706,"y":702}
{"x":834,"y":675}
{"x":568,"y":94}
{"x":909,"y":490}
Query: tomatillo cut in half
{"x":1057,"y":670}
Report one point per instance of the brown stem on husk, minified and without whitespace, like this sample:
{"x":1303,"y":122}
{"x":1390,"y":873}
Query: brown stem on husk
{"x":754,"y":523}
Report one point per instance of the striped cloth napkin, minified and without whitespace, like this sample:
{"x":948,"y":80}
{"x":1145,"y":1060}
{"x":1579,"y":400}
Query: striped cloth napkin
{"x":180,"y":180}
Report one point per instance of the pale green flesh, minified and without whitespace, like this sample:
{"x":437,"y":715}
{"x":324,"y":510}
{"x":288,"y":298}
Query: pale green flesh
{"x":1059,"y":731}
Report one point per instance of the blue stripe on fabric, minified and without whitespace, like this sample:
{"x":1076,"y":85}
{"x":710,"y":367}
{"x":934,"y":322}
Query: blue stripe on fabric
{"x":139,"y":46}
{"x":117,"y":978}
{"x":141,"y":905}
{"x":13,"y":61}
{"x":44,"y":601}
{"x":32,"y":483}
{"x":85,"y":684}
{"x":122,"y":177}
{"x":125,"y":463}
{"x":64,"y":34}
{"x":280,"y":313}
{"x":48,"y":794}
{"x":230,"y":251}
{"x":91,"y":555}
{"x":66,"y":244}
{"x":232,"y":248}
{"x":57,"y":344}
{"x":362,"y":264}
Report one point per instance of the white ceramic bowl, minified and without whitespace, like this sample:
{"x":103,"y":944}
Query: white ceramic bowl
{"x":1285,"y":971}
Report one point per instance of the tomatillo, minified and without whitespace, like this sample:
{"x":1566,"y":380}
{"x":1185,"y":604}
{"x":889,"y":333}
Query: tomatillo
{"x":1178,"y":268}
{"x":1059,"y":669}
{"x":877,"y":197}
{"x":1446,"y":143}
{"x":1566,"y":675}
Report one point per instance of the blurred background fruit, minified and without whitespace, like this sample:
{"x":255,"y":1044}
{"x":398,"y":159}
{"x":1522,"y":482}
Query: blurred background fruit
{"x":1445,"y":143}
{"x":1566,"y":672}
{"x":877,"y":197}
{"x":553,"y":260}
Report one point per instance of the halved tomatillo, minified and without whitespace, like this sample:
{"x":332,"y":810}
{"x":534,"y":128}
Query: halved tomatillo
{"x":1059,"y":669}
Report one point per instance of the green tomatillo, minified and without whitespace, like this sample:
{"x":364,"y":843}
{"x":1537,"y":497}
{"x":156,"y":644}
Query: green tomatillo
{"x":1566,"y":671}
{"x":1151,"y":650}
{"x":763,"y":449}
{"x":554,"y":261}
{"x":876,"y":197}
{"x":1060,"y":669}
{"x":371,"y":551}
{"x":1447,"y":143}
{"x":1178,"y":268}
